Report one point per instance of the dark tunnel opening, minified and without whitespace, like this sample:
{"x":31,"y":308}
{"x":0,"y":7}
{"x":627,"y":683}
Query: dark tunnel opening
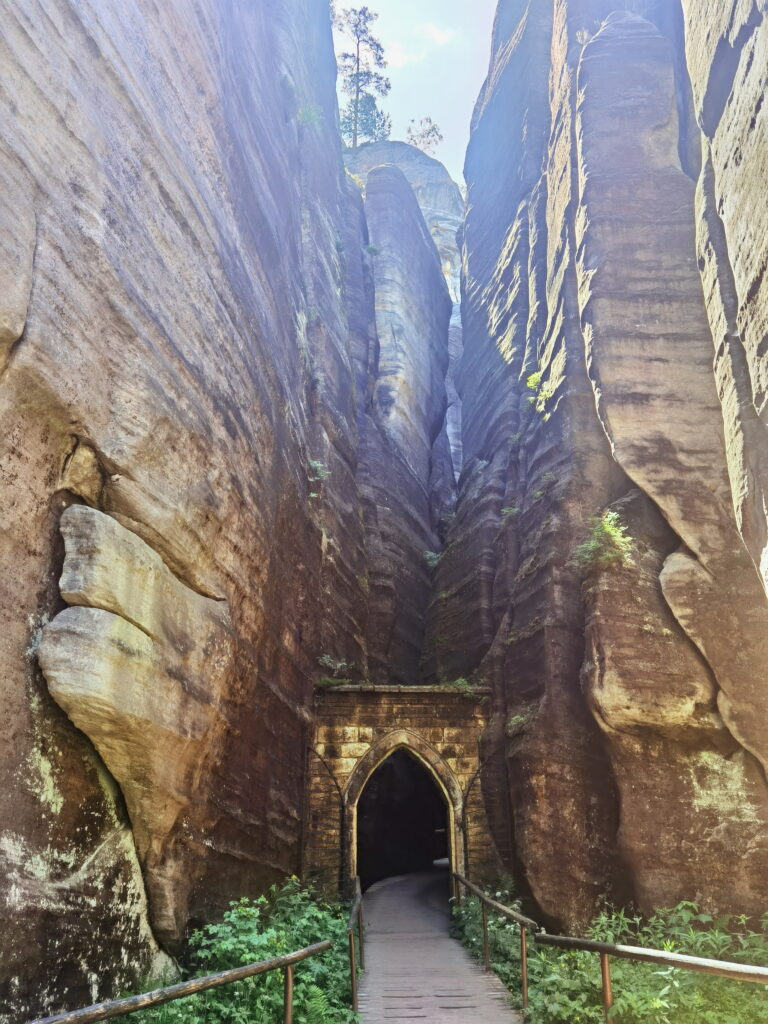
{"x":402,"y":820}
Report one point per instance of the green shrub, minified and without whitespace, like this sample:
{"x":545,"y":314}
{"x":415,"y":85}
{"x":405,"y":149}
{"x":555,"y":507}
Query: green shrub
{"x":287,"y":918}
{"x":336,"y":666}
{"x":564,"y":986}
{"x":432,"y":558}
{"x":608,"y":545}
{"x":541,"y":393}
{"x":462,"y":686}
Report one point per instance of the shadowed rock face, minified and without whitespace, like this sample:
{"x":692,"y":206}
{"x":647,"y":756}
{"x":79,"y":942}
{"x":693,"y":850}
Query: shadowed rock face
{"x":588,"y":385}
{"x":406,"y":418}
{"x":212,"y":478}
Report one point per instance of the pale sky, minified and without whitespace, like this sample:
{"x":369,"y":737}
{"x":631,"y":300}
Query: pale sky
{"x":438,"y":52}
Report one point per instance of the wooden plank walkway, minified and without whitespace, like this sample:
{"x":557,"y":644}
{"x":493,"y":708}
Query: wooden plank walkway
{"x":415,"y":970}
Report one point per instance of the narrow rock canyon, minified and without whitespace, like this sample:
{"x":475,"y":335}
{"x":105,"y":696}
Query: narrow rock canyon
{"x":275,"y":413}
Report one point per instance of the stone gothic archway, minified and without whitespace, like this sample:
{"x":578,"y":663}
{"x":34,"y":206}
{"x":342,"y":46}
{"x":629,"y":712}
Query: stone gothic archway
{"x":357,"y":729}
{"x":445,"y":780}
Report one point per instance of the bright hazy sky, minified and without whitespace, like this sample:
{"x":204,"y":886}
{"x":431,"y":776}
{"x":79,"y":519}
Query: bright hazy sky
{"x":438,"y":52}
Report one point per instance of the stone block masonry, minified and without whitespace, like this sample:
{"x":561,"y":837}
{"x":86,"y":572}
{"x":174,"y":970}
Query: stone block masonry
{"x":359,"y":727}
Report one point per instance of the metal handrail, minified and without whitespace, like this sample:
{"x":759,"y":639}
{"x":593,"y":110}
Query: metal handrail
{"x":720,"y":968}
{"x":356,"y":921}
{"x":526,"y":924}
{"x":145,"y":1000}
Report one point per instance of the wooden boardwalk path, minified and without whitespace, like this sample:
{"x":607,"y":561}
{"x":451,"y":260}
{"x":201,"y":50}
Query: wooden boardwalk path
{"x":415,"y":970}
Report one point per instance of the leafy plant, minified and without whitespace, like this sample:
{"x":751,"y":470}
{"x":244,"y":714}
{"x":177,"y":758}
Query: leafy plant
{"x":541,"y":392}
{"x":424,"y":134}
{"x":462,"y":686}
{"x":565,"y":985}
{"x":432,"y":558}
{"x":336,"y":667}
{"x":287,"y":918}
{"x":318,"y":472}
{"x":607,"y":546}
{"x":510,"y":512}
{"x":374,"y":250}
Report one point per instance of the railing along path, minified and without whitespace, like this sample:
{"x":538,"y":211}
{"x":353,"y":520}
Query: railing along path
{"x":145,"y":1000}
{"x":356,"y":921}
{"x":159,"y":996}
{"x":720,"y":968}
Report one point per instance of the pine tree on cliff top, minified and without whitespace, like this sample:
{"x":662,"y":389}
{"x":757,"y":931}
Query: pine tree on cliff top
{"x":361,"y":78}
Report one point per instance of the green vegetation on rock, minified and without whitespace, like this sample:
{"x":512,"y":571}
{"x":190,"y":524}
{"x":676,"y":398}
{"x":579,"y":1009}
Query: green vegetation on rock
{"x":608,"y":545}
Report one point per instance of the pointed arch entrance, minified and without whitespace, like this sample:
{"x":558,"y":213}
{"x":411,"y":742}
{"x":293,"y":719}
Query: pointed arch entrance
{"x":357,"y":728}
{"x":433,"y":764}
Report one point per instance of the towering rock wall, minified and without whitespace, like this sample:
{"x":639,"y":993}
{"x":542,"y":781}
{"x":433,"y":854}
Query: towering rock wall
{"x":202,"y":441}
{"x":612,"y":236}
{"x":442,"y":207}
{"x":406,"y":417}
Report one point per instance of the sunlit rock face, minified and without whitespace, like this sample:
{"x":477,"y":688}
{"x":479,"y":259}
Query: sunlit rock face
{"x":186,"y":327}
{"x":613,"y":318}
{"x":442,"y":206}
{"x":222,"y":399}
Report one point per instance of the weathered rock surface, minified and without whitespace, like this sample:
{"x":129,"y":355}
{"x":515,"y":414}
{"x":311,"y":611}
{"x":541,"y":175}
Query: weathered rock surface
{"x":587,"y":372}
{"x":192,"y":393}
{"x":140,"y":664}
{"x":407,"y":416}
{"x":442,"y":206}
{"x":234,"y":408}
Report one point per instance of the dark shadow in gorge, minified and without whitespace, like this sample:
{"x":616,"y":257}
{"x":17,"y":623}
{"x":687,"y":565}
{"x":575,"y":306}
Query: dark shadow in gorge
{"x":402,"y":820}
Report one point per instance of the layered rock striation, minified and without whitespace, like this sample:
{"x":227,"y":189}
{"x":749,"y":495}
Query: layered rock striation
{"x":217,"y":477}
{"x":607,"y":346}
{"x":244,"y":446}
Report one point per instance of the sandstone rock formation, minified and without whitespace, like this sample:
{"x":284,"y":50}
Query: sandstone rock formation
{"x":406,"y":418}
{"x":588,"y":385}
{"x":242,"y":446}
{"x":442,"y":206}
{"x":139,"y":664}
{"x":194,"y":398}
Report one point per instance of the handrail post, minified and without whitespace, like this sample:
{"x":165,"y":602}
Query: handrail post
{"x":288,"y":995}
{"x":524,"y":964}
{"x":486,"y":945}
{"x":360,"y":937}
{"x":605,"y":971}
{"x":352,"y":967}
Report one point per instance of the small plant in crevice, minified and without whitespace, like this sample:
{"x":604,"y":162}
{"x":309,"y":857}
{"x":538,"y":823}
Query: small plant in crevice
{"x":374,"y":250}
{"x":541,"y":393}
{"x":432,"y":558}
{"x":518,"y":723}
{"x":337,"y":667}
{"x":608,"y":545}
{"x":317,"y":472}
{"x":510,"y":512}
{"x":462,"y":686}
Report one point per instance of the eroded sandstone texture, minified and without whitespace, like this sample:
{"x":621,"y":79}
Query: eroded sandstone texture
{"x":614,"y":326}
{"x":234,"y":411}
{"x":215,"y":475}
